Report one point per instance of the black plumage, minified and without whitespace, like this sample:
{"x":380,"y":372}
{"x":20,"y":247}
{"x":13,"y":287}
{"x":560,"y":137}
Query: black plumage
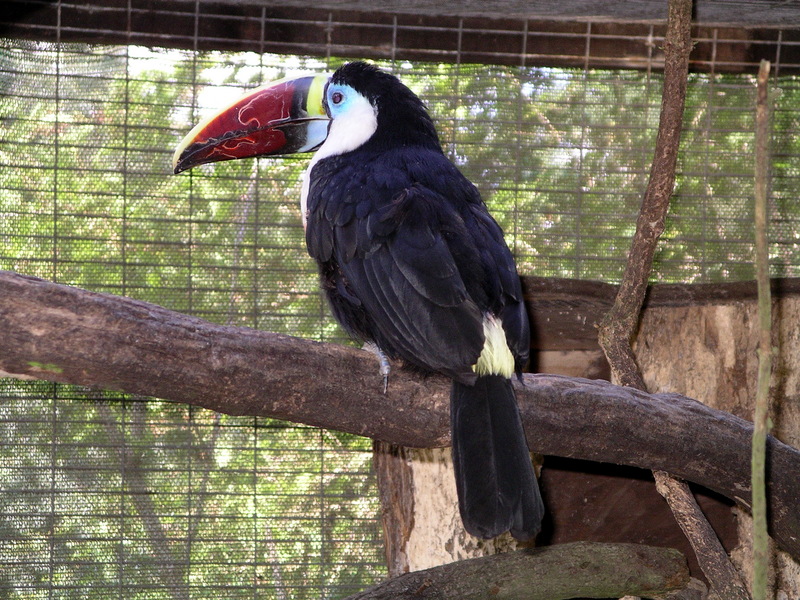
{"x":410,"y":259}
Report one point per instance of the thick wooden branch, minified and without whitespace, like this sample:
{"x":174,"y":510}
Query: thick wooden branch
{"x":59,"y":333}
{"x":581,"y":569}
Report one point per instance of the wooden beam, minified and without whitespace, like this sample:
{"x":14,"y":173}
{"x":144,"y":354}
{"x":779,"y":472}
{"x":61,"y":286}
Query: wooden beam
{"x":537,"y":39}
{"x":565,"y":313}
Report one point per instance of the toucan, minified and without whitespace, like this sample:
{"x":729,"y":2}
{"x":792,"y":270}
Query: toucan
{"x":409,"y":258}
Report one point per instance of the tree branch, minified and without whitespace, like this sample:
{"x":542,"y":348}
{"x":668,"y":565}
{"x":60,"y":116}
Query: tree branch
{"x":761,"y":416}
{"x":581,"y":569}
{"x":619,"y":325}
{"x":65,"y":334}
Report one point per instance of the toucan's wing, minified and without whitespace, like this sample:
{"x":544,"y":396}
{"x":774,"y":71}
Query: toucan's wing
{"x":491,"y":277}
{"x":413,"y":244}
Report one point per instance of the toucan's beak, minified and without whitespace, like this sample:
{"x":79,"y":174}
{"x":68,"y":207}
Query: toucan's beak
{"x":283,"y":117}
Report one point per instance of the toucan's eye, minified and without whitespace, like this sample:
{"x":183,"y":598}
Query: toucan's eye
{"x":337,"y":97}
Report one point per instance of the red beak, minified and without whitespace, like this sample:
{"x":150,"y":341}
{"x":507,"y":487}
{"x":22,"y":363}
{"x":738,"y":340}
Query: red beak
{"x":283,"y":117}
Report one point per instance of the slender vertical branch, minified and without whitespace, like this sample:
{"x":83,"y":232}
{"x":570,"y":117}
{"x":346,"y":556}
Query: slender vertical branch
{"x":760,"y":536}
{"x":619,"y":325}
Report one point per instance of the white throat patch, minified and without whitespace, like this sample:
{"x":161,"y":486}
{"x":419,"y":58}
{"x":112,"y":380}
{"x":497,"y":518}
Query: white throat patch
{"x":348,"y":131}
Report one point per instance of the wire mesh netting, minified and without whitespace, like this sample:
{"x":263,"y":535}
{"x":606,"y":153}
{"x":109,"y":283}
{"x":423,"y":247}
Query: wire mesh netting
{"x":107,"y":495}
{"x":104,"y":495}
{"x":110,"y":497}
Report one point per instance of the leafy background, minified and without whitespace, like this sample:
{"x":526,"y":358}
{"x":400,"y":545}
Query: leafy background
{"x":108,"y":496}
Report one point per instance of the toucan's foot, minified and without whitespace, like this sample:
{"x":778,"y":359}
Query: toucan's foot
{"x":385,"y":368}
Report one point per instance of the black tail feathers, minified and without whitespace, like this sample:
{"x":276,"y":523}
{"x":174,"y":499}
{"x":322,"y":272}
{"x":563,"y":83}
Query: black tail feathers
{"x":496,"y":484}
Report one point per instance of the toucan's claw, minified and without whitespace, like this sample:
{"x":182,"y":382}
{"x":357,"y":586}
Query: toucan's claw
{"x":385,"y":367}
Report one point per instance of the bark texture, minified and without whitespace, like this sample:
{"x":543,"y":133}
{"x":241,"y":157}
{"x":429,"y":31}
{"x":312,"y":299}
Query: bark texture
{"x":55,"y":332}
{"x":579,"y":570}
{"x":710,"y":352}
